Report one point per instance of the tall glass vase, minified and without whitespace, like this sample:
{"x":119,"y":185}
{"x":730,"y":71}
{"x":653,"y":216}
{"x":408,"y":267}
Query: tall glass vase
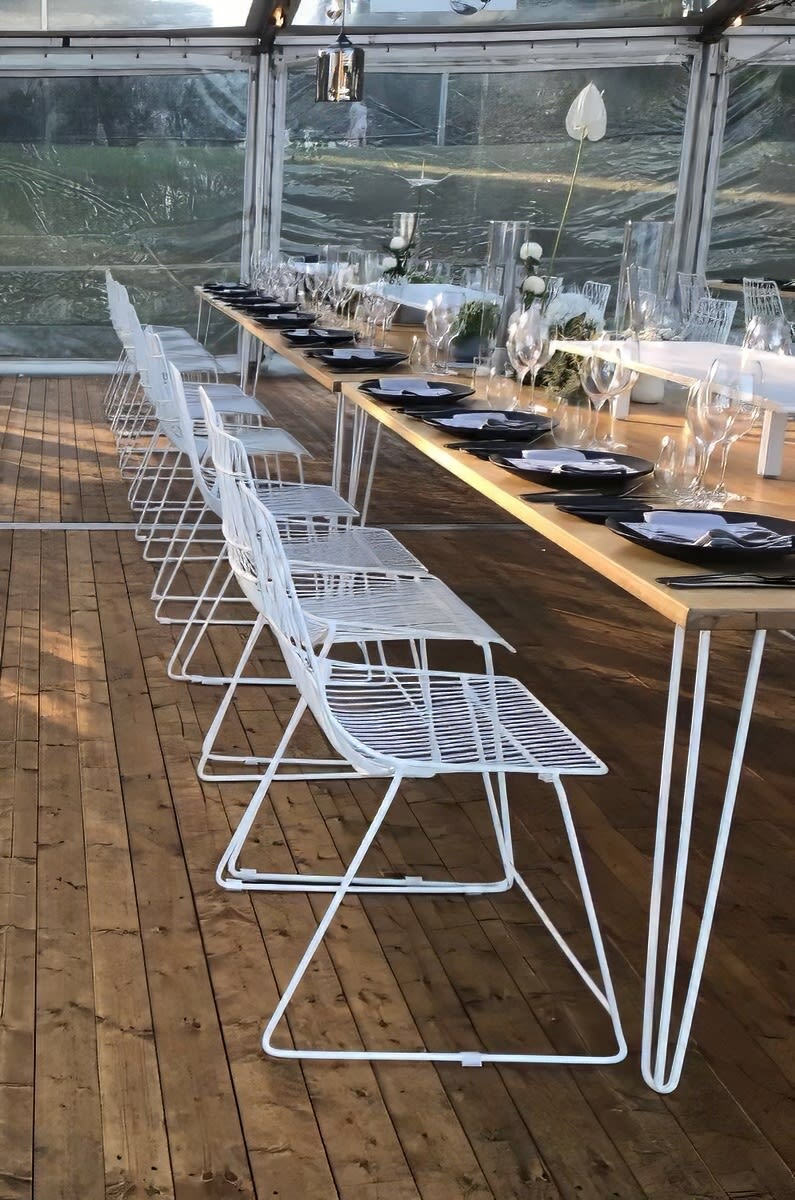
{"x":404,"y":225}
{"x":648,"y":270}
{"x":503,"y":279}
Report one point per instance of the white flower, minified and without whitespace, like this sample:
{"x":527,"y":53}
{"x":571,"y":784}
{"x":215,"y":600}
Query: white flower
{"x":530,"y":250}
{"x":534,"y":284}
{"x":587,"y":116}
{"x":389,"y":263}
{"x":568,"y":305}
{"x":398,"y":243}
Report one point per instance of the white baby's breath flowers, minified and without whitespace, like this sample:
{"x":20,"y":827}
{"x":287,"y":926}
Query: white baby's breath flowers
{"x":398,"y":243}
{"x":534,"y":285}
{"x":389,"y":263}
{"x":568,"y":305}
{"x":530,"y":250}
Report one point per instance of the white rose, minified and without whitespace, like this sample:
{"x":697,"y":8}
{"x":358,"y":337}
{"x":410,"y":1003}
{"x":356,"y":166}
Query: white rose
{"x":389,"y":263}
{"x":398,"y":243}
{"x":530,"y":250}
{"x":534,"y":284}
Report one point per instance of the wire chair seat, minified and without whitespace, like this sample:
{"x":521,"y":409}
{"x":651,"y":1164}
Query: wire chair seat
{"x":365,"y":547}
{"x":261,"y":439}
{"x":224,"y":397}
{"x":433,"y":721}
{"x":361,"y":604}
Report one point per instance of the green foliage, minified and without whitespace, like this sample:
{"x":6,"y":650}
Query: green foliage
{"x":477,"y":317}
{"x":562,"y":372}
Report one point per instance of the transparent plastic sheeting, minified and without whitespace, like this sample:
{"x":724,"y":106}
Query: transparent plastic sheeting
{"x":507,"y":12}
{"x":497,"y":146}
{"x":753,"y":230}
{"x":142,"y":174}
{"x":91,"y":15}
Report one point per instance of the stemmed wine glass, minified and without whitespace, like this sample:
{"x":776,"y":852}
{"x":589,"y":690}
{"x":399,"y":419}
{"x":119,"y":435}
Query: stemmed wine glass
{"x":440,"y":319}
{"x":605,"y":379}
{"x":728,"y":397}
{"x":528,"y":348}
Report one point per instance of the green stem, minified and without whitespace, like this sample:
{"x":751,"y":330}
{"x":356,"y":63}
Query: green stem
{"x":566,"y":205}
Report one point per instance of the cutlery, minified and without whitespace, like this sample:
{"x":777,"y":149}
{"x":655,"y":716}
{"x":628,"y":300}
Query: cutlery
{"x":558,"y":497}
{"x":727,"y":581}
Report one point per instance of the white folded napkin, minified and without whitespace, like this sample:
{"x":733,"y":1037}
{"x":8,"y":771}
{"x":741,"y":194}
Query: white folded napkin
{"x":417,"y":387}
{"x":709,"y":530}
{"x":593,"y":466}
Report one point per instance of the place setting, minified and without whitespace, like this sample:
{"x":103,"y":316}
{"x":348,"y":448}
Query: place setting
{"x":357,"y":358}
{"x":315,"y":335}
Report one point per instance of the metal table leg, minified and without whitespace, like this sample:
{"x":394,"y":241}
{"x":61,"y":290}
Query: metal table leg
{"x":664,"y":1043}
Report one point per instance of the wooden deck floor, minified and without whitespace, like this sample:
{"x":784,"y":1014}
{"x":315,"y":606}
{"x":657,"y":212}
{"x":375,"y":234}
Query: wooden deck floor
{"x":134,"y":992}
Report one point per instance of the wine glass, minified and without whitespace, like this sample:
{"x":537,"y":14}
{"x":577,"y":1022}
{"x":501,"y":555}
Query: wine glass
{"x":676,"y":469}
{"x":712,"y":405}
{"x":440,"y":319}
{"x":605,"y":379}
{"x":528,"y":347}
{"x":736,"y":392}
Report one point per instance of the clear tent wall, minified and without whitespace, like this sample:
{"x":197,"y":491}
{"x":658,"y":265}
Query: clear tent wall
{"x":174,"y":165}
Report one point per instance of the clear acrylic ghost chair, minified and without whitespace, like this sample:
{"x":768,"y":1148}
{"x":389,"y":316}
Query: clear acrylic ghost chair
{"x":692,"y":288}
{"x":366,"y":607}
{"x":710,"y":321}
{"x":404,"y":724}
{"x":597,"y":294}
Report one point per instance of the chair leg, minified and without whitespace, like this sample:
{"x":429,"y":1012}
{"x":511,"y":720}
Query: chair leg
{"x":605,"y":994}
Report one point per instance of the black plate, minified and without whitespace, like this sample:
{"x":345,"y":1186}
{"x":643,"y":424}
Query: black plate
{"x":319,"y":337}
{"x":242,"y":289}
{"x":709,"y":555}
{"x":442,"y":394}
{"x":510,"y":426}
{"x":286,"y":320}
{"x":260,"y":306}
{"x":360,"y":359}
{"x":592,"y":480}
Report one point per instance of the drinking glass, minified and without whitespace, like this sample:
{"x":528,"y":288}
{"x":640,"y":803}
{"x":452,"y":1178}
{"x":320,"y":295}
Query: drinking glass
{"x":440,"y":319}
{"x":573,"y":421}
{"x":676,"y":469}
{"x":528,"y":347}
{"x":604,"y":379}
{"x":731,"y":390}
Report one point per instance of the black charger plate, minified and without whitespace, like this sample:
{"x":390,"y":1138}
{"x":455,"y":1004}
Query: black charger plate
{"x":597,"y":509}
{"x":510,"y":426}
{"x":318,"y":337}
{"x":360,"y":359}
{"x":608,"y":482}
{"x":440,"y":395}
{"x":262,"y":307}
{"x":286,"y":320}
{"x":713,"y":555}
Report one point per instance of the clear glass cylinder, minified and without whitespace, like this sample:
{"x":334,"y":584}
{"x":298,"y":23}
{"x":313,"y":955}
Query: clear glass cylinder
{"x":504,"y":273}
{"x":648,"y":268}
{"x":404,"y":225}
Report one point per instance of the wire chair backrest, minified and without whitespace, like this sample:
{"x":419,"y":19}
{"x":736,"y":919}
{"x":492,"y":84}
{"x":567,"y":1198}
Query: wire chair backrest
{"x":692,"y":289}
{"x":761,"y":298}
{"x":597,"y":294}
{"x":553,"y":286}
{"x":710,"y":321}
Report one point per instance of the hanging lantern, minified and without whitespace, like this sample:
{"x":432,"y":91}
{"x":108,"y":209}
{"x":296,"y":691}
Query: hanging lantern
{"x":340,"y":72}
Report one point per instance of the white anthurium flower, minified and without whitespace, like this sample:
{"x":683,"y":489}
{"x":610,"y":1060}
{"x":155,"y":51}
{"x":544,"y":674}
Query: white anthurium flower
{"x":398,"y":243}
{"x":534,"y":285}
{"x":530,"y":250}
{"x":389,"y":263}
{"x":587,"y":116}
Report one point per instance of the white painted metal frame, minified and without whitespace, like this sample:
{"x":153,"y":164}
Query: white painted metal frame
{"x":665,"y":1040}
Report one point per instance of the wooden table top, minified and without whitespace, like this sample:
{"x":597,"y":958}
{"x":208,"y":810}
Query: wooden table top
{"x":631,"y":567}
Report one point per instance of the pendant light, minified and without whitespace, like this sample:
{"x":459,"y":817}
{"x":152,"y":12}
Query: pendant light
{"x":339,"y":77}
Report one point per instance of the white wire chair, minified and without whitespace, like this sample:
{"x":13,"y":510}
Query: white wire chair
{"x":399,"y":724}
{"x":761,"y":298}
{"x":597,"y":294}
{"x":710,"y":321}
{"x":692,"y":289}
{"x":363,"y":607}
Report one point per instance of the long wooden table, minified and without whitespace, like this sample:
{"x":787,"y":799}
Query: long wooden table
{"x":696,"y":617}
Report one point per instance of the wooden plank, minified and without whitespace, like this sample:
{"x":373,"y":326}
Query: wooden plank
{"x":68,"y":1134}
{"x":136,"y":1158}
{"x":208,"y":1154}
